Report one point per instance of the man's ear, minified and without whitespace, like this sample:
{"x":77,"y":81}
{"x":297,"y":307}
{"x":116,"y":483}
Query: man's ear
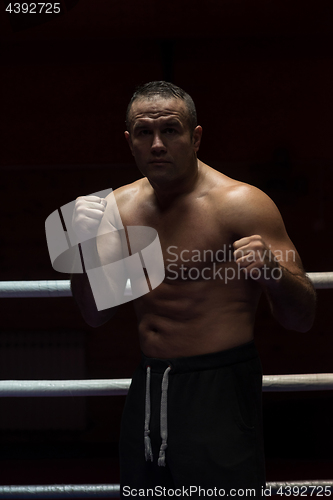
{"x":129,"y":140}
{"x":196,"y":138}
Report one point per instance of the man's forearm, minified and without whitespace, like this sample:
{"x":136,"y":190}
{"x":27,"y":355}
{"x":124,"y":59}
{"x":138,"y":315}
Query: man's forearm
{"x":293,"y":300}
{"x":82,"y":292}
{"x":83,"y":295}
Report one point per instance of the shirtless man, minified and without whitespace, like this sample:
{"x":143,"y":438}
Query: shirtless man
{"x":192,"y":418}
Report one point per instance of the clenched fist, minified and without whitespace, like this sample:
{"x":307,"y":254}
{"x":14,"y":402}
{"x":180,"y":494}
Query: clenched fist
{"x":256,"y":259}
{"x":87,"y":216}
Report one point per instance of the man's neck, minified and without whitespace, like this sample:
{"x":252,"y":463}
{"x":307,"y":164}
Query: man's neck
{"x":167,"y":192}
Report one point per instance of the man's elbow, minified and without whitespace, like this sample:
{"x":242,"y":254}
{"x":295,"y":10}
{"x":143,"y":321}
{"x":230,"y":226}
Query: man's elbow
{"x":306,"y":321}
{"x":100,"y":318}
{"x":301,"y":325}
{"x":303,"y":328}
{"x":93,"y":322}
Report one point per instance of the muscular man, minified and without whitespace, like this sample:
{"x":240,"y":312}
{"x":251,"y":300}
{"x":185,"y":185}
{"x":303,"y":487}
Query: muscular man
{"x":192,"y":417}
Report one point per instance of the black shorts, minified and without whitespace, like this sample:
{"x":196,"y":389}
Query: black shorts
{"x":213,"y":421}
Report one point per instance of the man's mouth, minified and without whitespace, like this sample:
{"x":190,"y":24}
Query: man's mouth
{"x":159,"y":161}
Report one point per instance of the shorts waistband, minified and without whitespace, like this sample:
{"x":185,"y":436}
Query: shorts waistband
{"x":238,"y":354}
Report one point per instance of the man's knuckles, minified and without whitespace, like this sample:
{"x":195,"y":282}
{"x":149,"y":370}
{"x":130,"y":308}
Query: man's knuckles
{"x":84,"y":209}
{"x":88,"y":213}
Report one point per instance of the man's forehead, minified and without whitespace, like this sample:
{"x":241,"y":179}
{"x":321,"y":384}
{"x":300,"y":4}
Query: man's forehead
{"x":158,"y":107}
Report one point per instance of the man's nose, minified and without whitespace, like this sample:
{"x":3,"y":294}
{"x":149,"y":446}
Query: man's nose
{"x":157,"y":144}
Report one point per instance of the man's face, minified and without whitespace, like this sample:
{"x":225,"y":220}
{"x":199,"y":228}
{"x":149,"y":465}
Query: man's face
{"x":160,"y":138}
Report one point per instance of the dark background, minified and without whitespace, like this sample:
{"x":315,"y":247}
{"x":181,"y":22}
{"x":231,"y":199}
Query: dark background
{"x":261,"y":74}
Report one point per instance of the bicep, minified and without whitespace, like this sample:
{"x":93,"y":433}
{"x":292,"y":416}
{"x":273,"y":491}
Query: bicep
{"x":260,"y":216}
{"x":111,"y":239}
{"x":112,"y":250}
{"x":110,"y":243}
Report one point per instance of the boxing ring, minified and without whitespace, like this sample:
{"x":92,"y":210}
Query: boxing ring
{"x":72,"y":388}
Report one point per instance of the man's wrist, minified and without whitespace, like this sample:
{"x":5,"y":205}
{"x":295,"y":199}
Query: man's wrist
{"x":89,"y":254}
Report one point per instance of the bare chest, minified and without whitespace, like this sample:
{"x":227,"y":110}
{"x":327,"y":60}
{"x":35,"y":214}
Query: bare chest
{"x":192,"y":237}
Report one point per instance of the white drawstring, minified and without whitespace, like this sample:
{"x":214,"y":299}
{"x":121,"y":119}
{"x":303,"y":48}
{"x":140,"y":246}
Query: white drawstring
{"x":163,"y":418}
{"x":148,"y":448}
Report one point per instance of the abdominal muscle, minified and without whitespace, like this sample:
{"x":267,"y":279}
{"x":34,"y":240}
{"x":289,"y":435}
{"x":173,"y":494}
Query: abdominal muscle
{"x":194,"y":318}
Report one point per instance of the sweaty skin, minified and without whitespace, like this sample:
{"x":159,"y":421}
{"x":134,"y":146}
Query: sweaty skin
{"x":205,"y":303}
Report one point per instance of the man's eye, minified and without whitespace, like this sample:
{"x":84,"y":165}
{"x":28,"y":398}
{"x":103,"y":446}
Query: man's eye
{"x":144,"y":132}
{"x":170,"y":130}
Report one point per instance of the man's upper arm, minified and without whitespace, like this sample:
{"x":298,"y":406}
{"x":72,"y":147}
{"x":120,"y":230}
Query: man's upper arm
{"x":112,"y":247}
{"x":256,"y":214}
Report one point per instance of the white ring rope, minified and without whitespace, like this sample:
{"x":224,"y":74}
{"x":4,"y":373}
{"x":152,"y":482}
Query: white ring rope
{"x":61,"y":491}
{"x":119,"y":387}
{"x":321,"y":280}
{"x":298,"y":382}
{"x":25,"y":289}
{"x":113,"y":490}
{"x":63,"y":388}
{"x":21,"y":289}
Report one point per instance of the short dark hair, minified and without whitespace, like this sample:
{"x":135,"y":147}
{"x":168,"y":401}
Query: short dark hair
{"x":166,"y":90}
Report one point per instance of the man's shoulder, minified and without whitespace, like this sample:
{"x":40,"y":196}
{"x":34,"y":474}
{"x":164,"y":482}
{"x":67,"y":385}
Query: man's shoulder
{"x":239,"y":201}
{"x":228,"y":191}
{"x":128,"y":192}
{"x":238,"y":193}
